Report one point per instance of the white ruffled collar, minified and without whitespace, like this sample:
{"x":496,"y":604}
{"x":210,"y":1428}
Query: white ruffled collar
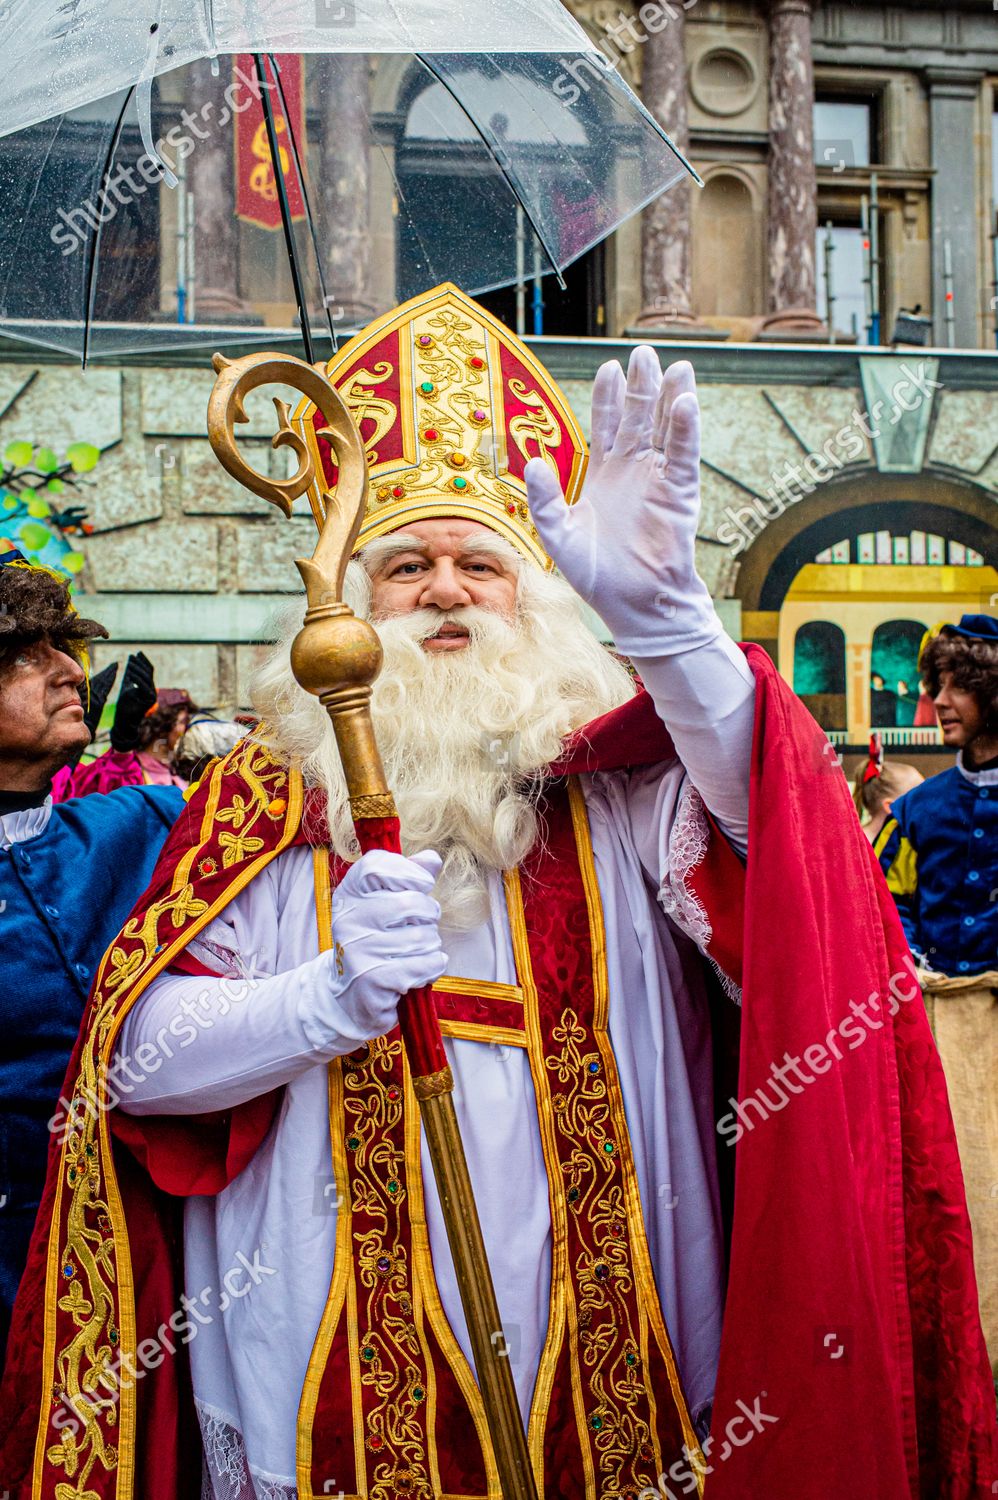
{"x":18,"y":827}
{"x":977,"y":778}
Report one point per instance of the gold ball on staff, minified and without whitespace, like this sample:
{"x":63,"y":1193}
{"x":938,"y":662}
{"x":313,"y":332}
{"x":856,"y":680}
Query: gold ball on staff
{"x":334,"y":650}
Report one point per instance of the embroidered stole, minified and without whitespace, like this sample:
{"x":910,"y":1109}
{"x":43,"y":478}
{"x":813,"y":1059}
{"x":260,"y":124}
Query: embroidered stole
{"x":390,"y":1406}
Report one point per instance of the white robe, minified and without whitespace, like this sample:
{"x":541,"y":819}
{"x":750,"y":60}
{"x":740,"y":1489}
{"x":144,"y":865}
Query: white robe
{"x":259,"y":1256}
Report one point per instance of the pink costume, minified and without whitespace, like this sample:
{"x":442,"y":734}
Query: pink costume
{"x":109,"y":771}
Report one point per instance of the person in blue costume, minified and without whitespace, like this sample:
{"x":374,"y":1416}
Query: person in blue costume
{"x":69,"y":874}
{"x":939,"y":848}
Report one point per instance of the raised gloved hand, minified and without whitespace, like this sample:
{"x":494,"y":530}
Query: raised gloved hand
{"x":136,"y":697}
{"x":385,"y":942}
{"x":627,"y":544}
{"x":93,"y":695}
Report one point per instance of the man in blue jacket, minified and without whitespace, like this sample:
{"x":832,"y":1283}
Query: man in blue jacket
{"x":939,"y":848}
{"x":69,"y":874}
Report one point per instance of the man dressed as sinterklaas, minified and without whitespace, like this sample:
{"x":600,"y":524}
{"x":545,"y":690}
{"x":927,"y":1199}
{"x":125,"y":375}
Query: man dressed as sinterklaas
{"x":739,"y":1260}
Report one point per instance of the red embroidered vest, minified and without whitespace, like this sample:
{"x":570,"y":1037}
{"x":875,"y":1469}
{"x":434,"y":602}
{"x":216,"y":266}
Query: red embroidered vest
{"x":390,"y":1406}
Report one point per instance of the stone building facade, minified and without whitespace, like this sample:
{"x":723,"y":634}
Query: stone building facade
{"x":905,"y":94}
{"x":804,"y":448}
{"x":849,"y":489}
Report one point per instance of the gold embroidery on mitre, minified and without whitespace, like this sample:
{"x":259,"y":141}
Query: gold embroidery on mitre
{"x":459,"y":372}
{"x":539,"y":426}
{"x":363,"y":403}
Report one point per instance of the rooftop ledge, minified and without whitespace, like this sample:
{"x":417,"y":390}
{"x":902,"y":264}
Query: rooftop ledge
{"x":566,"y":358}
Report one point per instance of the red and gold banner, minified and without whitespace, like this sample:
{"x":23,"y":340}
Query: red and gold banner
{"x":256,"y":184}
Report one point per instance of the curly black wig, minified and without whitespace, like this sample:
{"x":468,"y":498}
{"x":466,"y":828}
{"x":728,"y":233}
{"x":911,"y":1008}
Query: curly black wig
{"x":35,"y":606}
{"x":972,"y":665}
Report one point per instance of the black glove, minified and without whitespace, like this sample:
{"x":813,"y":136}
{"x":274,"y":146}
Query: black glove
{"x":136,"y":698}
{"x":100,"y":687}
{"x":93,"y":703}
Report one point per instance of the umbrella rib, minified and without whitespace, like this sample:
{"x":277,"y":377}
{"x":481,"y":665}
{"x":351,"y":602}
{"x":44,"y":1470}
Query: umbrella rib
{"x":92,"y":248}
{"x":305,"y":199}
{"x":209,"y":18}
{"x":542,"y":237}
{"x":282,"y":198}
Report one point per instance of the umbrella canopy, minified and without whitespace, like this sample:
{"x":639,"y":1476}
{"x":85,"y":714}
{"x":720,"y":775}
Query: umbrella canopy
{"x":59,"y":58}
{"x":141,"y":204}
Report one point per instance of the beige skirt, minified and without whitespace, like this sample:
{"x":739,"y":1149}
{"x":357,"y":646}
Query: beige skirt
{"x":963,"y":1014}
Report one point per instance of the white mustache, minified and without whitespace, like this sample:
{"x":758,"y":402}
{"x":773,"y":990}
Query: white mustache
{"x":422,"y":624}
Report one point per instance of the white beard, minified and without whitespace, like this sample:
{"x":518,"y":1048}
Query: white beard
{"x":463,"y":734}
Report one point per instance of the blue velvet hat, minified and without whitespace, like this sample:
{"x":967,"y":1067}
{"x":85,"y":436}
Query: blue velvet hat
{"x":977,"y":628}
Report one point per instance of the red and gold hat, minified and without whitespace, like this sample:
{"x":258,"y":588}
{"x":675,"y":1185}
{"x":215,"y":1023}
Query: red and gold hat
{"x":451,"y":406}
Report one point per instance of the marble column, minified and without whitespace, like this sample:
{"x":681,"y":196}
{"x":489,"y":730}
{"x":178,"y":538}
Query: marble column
{"x":344,"y":186}
{"x":793,"y":192}
{"x":211,"y":176}
{"x":666,"y":241}
{"x":954,"y":101}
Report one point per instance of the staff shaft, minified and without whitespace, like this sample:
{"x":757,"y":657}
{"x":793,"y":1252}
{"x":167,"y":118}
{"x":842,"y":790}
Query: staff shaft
{"x":336,"y":657}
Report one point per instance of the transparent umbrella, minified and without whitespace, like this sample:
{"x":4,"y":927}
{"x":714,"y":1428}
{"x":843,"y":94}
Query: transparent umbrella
{"x":142,"y":209}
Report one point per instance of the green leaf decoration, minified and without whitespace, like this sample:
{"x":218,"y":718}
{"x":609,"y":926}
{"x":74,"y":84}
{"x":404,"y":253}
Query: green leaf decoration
{"x":46,"y":461}
{"x":55,"y":485}
{"x":34,"y":535}
{"x":72,"y":561}
{"x":10,"y":502}
{"x":39,"y":508}
{"x":18,"y":454}
{"x":82,"y":457}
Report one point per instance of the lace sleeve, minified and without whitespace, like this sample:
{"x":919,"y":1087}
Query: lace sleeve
{"x":687,"y":848}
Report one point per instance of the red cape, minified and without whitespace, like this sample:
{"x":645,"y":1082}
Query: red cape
{"x":852,"y":1358}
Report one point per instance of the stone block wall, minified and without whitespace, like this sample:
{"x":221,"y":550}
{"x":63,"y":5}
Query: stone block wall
{"x":184,"y":564}
{"x":181,"y":562}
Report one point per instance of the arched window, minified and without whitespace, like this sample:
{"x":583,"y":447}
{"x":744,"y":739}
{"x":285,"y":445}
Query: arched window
{"x":894,"y":673}
{"x":820,"y":672}
{"x":452,"y":193}
{"x":534,"y":114}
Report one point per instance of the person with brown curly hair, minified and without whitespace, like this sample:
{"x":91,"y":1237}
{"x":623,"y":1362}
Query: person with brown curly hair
{"x":69,"y":874}
{"x":43,"y":643}
{"x":939,"y":848}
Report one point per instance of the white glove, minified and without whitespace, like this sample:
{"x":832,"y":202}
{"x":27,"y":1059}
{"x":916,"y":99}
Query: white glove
{"x":385,"y":942}
{"x":627,"y":544}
